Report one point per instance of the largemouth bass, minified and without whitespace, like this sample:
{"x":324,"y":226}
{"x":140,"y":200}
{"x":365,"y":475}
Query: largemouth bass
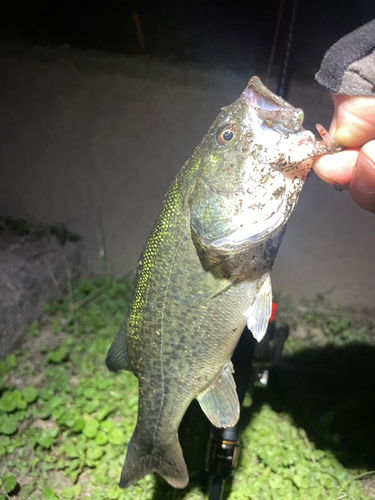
{"x":204,"y":273}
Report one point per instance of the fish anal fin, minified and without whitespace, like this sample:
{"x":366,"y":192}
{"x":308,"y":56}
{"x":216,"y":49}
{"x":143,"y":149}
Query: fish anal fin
{"x":117,"y":356}
{"x":166,"y":460}
{"x":220,"y":401}
{"x":258,"y":314}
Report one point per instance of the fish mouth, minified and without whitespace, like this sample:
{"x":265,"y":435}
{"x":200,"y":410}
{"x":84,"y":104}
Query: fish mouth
{"x":259,"y":95}
{"x":272,"y":111}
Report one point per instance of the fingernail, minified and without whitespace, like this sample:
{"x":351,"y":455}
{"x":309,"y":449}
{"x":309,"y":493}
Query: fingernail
{"x":362,"y":183}
{"x":321,"y":175}
{"x":333,"y":126}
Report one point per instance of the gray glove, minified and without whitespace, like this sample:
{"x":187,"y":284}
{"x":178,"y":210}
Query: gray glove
{"x":348,"y":67}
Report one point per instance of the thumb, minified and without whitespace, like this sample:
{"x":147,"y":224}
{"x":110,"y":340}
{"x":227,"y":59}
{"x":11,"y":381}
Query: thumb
{"x":362,"y":183}
{"x":354,"y":120}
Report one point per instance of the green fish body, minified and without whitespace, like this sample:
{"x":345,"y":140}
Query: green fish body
{"x":204,"y":273}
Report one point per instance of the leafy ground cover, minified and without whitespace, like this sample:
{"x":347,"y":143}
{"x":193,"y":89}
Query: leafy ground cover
{"x":65,"y":419}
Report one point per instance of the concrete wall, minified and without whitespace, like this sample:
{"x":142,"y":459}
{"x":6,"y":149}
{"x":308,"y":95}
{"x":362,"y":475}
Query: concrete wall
{"x":94,"y":141}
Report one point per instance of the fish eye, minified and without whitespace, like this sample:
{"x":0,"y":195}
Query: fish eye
{"x":226,"y":135}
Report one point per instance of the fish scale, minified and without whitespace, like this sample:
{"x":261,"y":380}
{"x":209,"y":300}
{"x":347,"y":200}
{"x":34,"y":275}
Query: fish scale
{"x":204,"y":274}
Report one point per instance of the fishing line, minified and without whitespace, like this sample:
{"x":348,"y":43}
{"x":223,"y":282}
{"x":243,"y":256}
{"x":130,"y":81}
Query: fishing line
{"x":281,"y":83}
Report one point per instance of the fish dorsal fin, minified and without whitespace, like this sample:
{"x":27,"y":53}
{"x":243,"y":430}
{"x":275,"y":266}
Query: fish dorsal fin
{"x":258,"y":314}
{"x":117,"y":356}
{"x":220,"y":401}
{"x":203,"y":288}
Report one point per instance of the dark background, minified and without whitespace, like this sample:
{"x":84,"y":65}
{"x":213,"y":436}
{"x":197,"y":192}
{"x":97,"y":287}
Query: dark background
{"x":222,"y":33}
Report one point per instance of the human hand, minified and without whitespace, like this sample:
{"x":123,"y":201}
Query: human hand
{"x":352,"y":126}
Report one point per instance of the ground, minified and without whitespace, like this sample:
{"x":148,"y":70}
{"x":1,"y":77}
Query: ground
{"x":65,"y":420}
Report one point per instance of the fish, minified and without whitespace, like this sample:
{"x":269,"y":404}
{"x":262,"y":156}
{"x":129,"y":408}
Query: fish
{"x":204,"y":273}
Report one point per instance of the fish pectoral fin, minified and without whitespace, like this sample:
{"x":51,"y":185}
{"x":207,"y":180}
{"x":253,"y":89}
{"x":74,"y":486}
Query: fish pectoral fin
{"x":203,"y":288}
{"x":164,"y":459}
{"x":117,"y":356}
{"x":220,"y":401}
{"x":258,"y":314}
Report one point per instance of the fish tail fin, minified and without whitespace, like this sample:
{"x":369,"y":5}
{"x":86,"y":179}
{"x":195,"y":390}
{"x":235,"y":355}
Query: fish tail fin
{"x":166,"y":460}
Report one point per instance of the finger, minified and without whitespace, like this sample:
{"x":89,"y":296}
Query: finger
{"x":362,"y":184}
{"x":336,"y":168}
{"x":354,"y":120}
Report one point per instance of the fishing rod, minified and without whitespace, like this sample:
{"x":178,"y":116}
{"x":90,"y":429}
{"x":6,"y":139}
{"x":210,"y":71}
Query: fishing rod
{"x":283,"y":82}
{"x":251,"y":360}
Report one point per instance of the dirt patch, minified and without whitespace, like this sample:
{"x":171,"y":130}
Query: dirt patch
{"x":369,"y":487}
{"x":35,"y":266}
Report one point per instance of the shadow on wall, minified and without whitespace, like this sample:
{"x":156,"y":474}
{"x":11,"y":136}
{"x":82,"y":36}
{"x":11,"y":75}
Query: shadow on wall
{"x":329,"y":392}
